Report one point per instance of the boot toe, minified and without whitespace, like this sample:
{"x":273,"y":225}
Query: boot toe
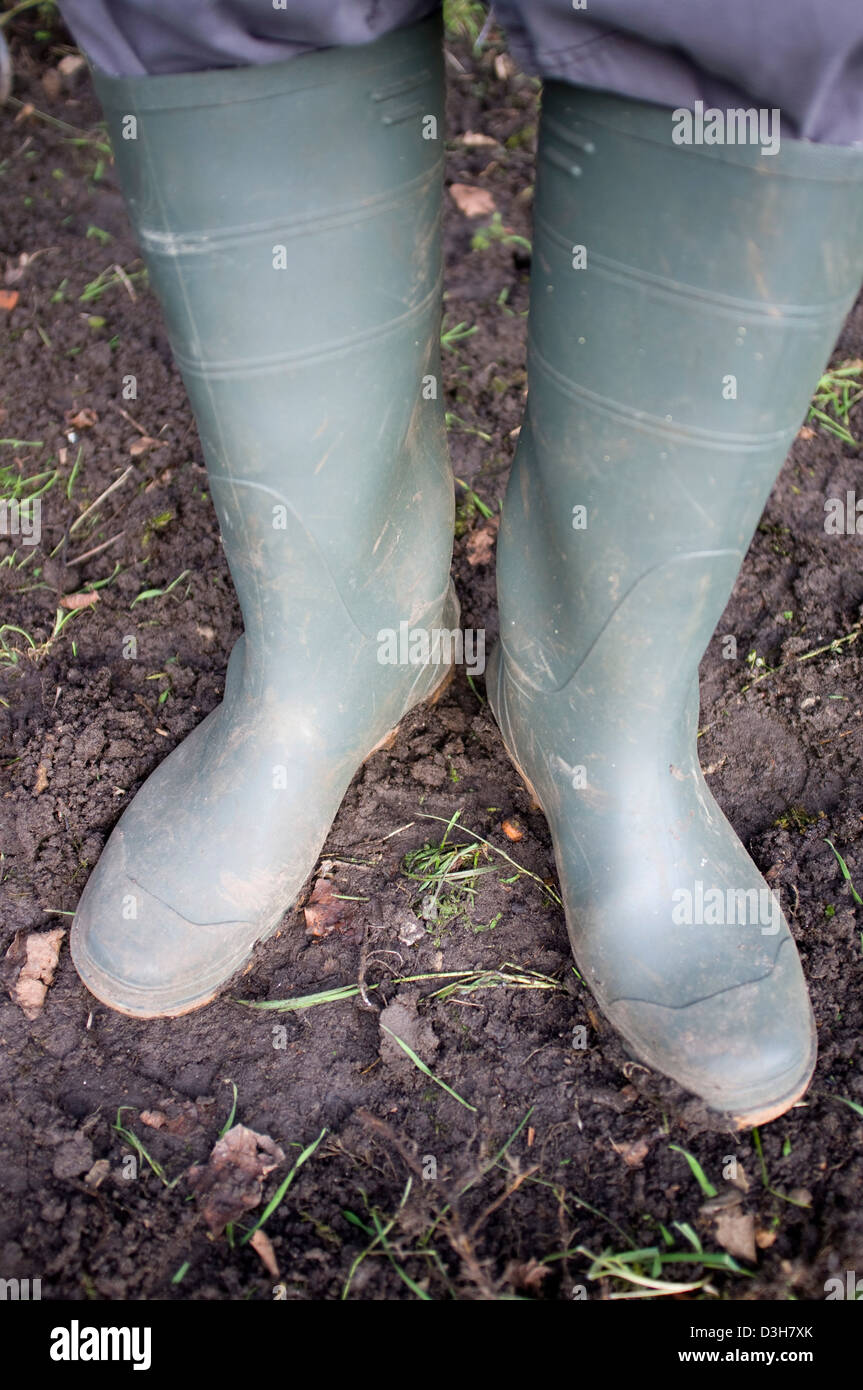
{"x":748,"y":1051}
{"x":140,"y":956}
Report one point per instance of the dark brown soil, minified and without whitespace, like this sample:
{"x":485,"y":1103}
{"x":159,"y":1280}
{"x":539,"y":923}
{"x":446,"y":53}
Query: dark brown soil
{"x":592,"y":1166}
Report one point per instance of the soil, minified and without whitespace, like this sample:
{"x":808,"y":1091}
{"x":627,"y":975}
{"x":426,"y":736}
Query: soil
{"x":591,"y":1166}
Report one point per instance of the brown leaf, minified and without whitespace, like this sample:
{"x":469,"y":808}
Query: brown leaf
{"x":735,"y":1231}
{"x":71,"y":64}
{"x":40,"y":952}
{"x":8,"y":299}
{"x":83,"y":419}
{"x":178,"y":1117}
{"x":98,"y":1173}
{"x":805,"y":432}
{"x":144,"y":443}
{"x":52,"y":83}
{"x":263,"y":1246}
{"x":85,"y":599}
{"x":41,"y":779}
{"x":231,"y":1181}
{"x":764,"y":1239}
{"x":325,"y":913}
{"x":153,"y":1118}
{"x":633,"y":1153}
{"x":526,"y":1274}
{"x":480,"y":543}
{"x":473,"y":202}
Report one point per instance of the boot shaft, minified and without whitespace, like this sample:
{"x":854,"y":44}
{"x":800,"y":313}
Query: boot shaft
{"x":290,"y":220}
{"x":683,"y":302}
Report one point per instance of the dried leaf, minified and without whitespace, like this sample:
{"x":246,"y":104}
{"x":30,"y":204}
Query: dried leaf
{"x":735,"y":1231}
{"x":98,"y":1173}
{"x":263,"y":1246}
{"x":85,"y":599}
{"x":325,"y":913}
{"x":41,"y":779}
{"x":473,"y":202}
{"x":144,"y":443}
{"x":82,"y":419}
{"x":633,"y":1153}
{"x":41,"y":952}
{"x":52,"y":83}
{"x":153,"y":1118}
{"x":8,"y":299}
{"x":231,"y":1181}
{"x":480,"y":543}
{"x":71,"y":64}
{"x":526,"y":1274}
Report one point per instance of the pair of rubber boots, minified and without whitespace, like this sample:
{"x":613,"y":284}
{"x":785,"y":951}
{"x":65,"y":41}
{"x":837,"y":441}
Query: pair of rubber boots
{"x":684,"y":299}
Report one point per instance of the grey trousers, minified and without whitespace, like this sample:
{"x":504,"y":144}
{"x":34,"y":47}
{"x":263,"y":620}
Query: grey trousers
{"x":804,"y":57}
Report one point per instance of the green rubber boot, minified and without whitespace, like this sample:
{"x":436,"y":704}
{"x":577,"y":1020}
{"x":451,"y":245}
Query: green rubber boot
{"x":683,"y":303}
{"x":290,"y":220}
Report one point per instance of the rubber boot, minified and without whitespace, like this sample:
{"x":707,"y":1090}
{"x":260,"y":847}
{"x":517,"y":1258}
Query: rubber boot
{"x":684,"y":300}
{"x":289,"y":217}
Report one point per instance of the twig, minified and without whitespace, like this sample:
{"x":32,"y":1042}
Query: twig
{"x":118,"y":482}
{"x":88,"y":554}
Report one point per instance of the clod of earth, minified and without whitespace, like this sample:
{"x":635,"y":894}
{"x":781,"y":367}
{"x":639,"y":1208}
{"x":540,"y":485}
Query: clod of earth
{"x":38,"y":954}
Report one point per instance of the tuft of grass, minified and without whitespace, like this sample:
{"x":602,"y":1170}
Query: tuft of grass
{"x":509,"y":976}
{"x":845,"y":873}
{"x":765,"y":1179}
{"x":454,"y":421}
{"x":146,"y":594}
{"x":641,"y":1271}
{"x":14,"y":487}
{"x":502,"y":853}
{"x":426,"y":1070}
{"x":465,"y":19}
{"x":459,"y":331}
{"x":837,"y":393}
{"x":134,"y":1143}
{"x":232,"y":1114}
{"x":108,"y":279}
{"x":279,"y":1195}
{"x":858,"y":1109}
{"x":472,"y":503}
{"x":697,"y":1171}
{"x":379,"y":1232}
{"x":447,"y":877}
{"x":495,"y":231}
